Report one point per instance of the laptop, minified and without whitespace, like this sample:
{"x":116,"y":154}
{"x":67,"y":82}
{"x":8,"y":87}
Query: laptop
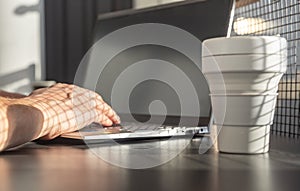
{"x":151,"y":107}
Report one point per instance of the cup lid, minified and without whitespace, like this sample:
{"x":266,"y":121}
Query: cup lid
{"x":244,"y":45}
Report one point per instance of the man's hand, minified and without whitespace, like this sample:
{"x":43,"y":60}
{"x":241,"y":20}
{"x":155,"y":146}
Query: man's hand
{"x":50,"y":112}
{"x":67,"y":108}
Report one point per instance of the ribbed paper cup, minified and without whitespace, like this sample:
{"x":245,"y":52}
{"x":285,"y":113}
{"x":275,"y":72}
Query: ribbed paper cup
{"x":244,"y":72}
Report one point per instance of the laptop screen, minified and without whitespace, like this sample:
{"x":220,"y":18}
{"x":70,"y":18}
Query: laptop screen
{"x":151,"y":79}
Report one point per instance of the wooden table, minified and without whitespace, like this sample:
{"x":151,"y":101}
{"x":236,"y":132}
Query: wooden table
{"x":74,"y":167}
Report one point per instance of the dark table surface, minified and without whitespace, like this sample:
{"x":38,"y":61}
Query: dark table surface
{"x":74,"y":167}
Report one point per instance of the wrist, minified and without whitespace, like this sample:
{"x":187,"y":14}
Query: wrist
{"x":46,"y":128}
{"x":21,"y":122}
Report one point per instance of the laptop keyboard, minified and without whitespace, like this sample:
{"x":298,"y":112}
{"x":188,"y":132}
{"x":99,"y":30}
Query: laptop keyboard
{"x":141,"y":126}
{"x":128,"y":127}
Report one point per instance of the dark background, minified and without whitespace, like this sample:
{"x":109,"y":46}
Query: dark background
{"x":69,"y":26}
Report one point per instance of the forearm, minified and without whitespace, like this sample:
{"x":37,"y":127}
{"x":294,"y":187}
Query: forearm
{"x":20,"y":123}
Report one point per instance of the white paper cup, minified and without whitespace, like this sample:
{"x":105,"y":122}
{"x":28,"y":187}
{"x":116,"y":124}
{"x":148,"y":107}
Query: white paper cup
{"x":244,"y":72}
{"x":243,"y":82}
{"x":244,"y":140}
{"x":244,"y":109}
